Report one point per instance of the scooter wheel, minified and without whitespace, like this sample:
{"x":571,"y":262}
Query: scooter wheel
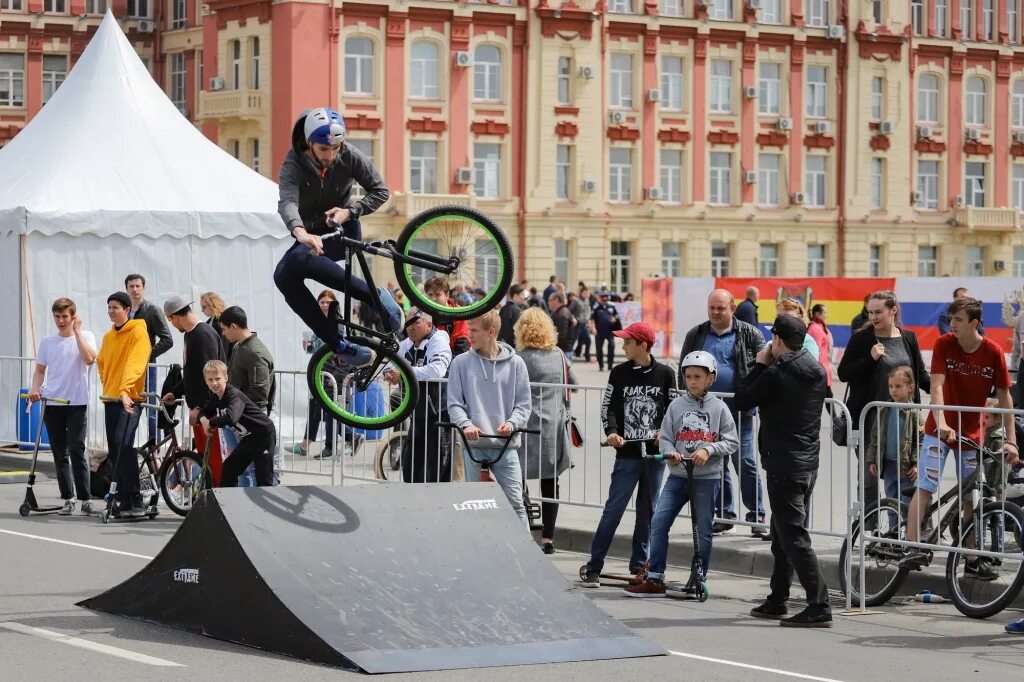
{"x":106,"y":516}
{"x":702,"y":592}
{"x":151,"y":515}
{"x":24,"y":509}
{"x":583,"y":571}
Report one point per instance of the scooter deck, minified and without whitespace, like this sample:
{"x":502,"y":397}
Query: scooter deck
{"x":613,"y":577}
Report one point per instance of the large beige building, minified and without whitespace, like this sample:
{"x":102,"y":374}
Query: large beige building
{"x":617,"y":139}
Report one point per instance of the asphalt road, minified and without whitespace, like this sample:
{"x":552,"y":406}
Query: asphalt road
{"x":51,"y":562}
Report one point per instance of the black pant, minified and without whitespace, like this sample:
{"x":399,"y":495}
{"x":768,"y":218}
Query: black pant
{"x":583,"y":341}
{"x":425,"y":454}
{"x":790,"y":495}
{"x":602,"y":338}
{"x":548,"y":510}
{"x":121,"y":428}
{"x":65,"y":425}
{"x":317,"y":413}
{"x":255,"y":447}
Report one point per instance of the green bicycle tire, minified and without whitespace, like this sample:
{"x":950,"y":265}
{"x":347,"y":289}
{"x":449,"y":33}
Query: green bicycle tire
{"x":320,"y":393}
{"x":506,"y":262}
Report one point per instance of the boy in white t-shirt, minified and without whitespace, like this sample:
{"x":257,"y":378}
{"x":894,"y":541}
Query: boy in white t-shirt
{"x":64,"y":360}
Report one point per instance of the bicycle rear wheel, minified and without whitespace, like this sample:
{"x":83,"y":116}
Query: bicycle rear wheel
{"x":883,"y":575}
{"x":388,"y":462}
{"x":476,"y":248}
{"x":360,"y":396}
{"x":980,"y":594}
{"x":181,"y":481}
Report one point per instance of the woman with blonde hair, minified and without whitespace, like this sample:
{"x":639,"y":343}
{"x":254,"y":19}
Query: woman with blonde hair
{"x":545,"y":456}
{"x":791,"y":306}
{"x":212,"y":306}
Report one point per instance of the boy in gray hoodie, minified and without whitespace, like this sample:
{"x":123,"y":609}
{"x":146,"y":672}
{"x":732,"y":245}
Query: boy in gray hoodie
{"x":700,"y":427}
{"x":489,"y":392}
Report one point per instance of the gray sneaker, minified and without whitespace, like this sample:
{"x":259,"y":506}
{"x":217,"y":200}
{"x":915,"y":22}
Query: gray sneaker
{"x":86,"y":507}
{"x":68,"y":509}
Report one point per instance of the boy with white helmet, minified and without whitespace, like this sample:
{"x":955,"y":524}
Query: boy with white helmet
{"x":697,"y":426}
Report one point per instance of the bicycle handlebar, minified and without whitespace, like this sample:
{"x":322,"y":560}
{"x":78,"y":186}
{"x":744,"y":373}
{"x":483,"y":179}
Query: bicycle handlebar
{"x":504,"y":448}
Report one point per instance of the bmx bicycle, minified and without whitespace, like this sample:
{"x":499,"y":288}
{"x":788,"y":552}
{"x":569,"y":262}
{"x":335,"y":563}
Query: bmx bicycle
{"x":459,"y":244}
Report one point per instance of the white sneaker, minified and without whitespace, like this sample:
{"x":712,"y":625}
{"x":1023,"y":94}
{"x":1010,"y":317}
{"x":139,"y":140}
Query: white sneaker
{"x":86,"y":507}
{"x":68,"y":509}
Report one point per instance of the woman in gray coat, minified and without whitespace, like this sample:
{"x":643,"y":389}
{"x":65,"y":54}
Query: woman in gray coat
{"x":545,"y":456}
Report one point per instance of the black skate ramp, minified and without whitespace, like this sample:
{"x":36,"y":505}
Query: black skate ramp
{"x":383,"y":578}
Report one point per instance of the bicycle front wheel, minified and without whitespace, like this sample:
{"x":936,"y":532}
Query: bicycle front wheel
{"x":984,"y":587}
{"x":883,"y":575}
{"x":181,"y":481}
{"x":363,"y":397}
{"x":473,"y":257}
{"x":388,"y":462}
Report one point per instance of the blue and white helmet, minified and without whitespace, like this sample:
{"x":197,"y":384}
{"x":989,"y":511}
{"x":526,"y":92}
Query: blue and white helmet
{"x":325,"y":126}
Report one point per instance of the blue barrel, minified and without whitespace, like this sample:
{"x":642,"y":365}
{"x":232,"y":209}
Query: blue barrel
{"x":371,"y":403}
{"x":28,"y":422}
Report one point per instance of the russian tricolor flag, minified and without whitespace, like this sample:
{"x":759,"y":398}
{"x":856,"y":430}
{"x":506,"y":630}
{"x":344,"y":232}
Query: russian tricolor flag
{"x":923,"y":299}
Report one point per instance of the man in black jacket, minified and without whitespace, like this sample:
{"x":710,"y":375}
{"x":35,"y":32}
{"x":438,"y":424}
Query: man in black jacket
{"x":565,"y":323}
{"x":156,"y":326}
{"x":788,"y":385}
{"x":605,"y":322}
{"x":510,"y":313}
{"x":747,"y":310}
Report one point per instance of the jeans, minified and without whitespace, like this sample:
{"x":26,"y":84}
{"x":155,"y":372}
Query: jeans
{"x":789,"y":496}
{"x":602,"y":338}
{"x":255,"y":448}
{"x":627,"y":475}
{"x":897,"y":485}
{"x":744,"y":462}
{"x":151,"y":416}
{"x":299,"y":264}
{"x":933,"y":459}
{"x":583,"y":341}
{"x":677,"y":492}
{"x":66,"y":426}
{"x":507,"y":473}
{"x":121,"y":428}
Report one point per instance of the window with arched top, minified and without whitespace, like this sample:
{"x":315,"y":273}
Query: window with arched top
{"x":424,"y":74}
{"x":487,"y":73}
{"x":359,"y":65}
{"x":1017,"y":100}
{"x":928,"y":98}
{"x":975,"y":101}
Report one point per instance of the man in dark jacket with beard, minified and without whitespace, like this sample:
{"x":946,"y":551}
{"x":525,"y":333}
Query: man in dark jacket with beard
{"x":788,"y":385}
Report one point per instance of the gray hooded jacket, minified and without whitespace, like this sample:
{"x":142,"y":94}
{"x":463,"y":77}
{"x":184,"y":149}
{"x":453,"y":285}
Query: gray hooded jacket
{"x":486,"y":393}
{"x":691,"y":424}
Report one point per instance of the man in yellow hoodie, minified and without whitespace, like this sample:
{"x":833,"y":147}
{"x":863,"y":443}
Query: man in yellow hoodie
{"x":122,"y":362}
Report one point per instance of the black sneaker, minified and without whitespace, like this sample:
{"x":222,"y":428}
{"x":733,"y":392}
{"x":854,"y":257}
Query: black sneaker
{"x":588,"y":577}
{"x":771,"y":610}
{"x":808,"y":619}
{"x":759,"y":530}
{"x":548,"y":547}
{"x":720,"y":528}
{"x":980,"y":570}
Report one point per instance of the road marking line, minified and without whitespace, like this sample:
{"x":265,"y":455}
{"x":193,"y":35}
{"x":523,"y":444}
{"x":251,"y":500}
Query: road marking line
{"x":91,"y":646}
{"x":752,"y":667}
{"x":75,"y":544}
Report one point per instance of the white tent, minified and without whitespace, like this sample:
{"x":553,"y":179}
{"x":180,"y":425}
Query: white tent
{"x":108,"y":179}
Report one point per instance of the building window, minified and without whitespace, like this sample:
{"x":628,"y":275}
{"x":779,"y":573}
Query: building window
{"x":672,"y":259}
{"x":563,"y":172}
{"x":424,"y":78}
{"x":769,"y":87}
{"x":198,"y":71}
{"x":814,"y":181}
{"x":815,"y":260}
{"x":55,"y":6}
{"x":875,"y":260}
{"x":721,"y":86}
{"x":423,"y":167}
{"x":941,"y":14}
{"x":1012,"y":18}
{"x":254,"y":151}
{"x":877,"y":183}
{"x":672,"y":175}
{"x":966,"y":22}
{"x":768,"y":263}
{"x":487,"y":170}
{"x":987,"y":16}
{"x":620,"y":6}
{"x":178,"y":14}
{"x":768,"y":179}
{"x":721,"y":10}
{"x":928,"y":185}
{"x":254,"y":63}
{"x":928,"y":98}
{"x":1017,"y":187}
{"x":877,"y":94}
{"x":622,"y":266}
{"x":927,"y":261}
{"x":975,"y":102}
{"x":620,"y":174}
{"x":720,"y":259}
{"x":770,"y":12}
{"x":974,"y":184}
{"x":55,"y":69}
{"x":877,"y":13}
{"x":365,"y":147}
{"x":487,"y":73}
{"x":1017,"y":115}
{"x":817,"y":91}
{"x":178,"y":81}
{"x":138,"y":9}
{"x":917,"y":18}
{"x":10,"y":5}
{"x":818,"y":13}
{"x":565,"y":80}
{"x":974,"y":265}
{"x":358,"y":66}
{"x":1018,"y":261}
{"x":91,"y":6}
{"x":672,"y":83}
{"x":12,"y":80}
{"x":562,"y":260}
{"x":672,"y":8}
{"x":720,"y":190}
{"x":235,"y":47}
{"x":236,"y":148}
{"x":622,"y":80}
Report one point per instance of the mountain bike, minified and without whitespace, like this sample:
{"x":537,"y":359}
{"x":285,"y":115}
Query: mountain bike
{"x":460,"y":245}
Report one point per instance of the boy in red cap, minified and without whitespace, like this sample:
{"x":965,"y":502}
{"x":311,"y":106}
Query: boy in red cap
{"x":638,"y":393}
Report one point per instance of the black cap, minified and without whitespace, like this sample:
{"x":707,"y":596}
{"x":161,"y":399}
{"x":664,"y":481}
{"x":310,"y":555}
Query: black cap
{"x":121,"y":297}
{"x":790,"y":329}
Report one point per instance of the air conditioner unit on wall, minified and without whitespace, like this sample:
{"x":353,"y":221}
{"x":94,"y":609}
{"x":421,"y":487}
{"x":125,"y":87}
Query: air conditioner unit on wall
{"x":754,"y":4}
{"x":146,"y":26}
{"x":589,"y":186}
{"x":958,"y":200}
{"x":925,"y":132}
{"x":1018,"y":137}
{"x":616,"y":117}
{"x":653,"y":95}
{"x":750,"y":91}
{"x":822,"y":127}
{"x":915,"y":198}
{"x":998,"y":265}
{"x":587,"y":72}
{"x":463,"y":59}
{"x":464,"y":176}
{"x":750,"y":177}
{"x":885,"y":127}
{"x":654,"y":193}
{"x":836,"y":32}
{"x":973,"y":134}
{"x":799,"y":198}
{"x":785,"y":124}
{"x":216,"y":83}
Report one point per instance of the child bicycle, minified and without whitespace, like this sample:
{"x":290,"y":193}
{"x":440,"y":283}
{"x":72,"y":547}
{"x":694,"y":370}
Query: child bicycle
{"x":458,"y":243}
{"x":979,"y":588}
